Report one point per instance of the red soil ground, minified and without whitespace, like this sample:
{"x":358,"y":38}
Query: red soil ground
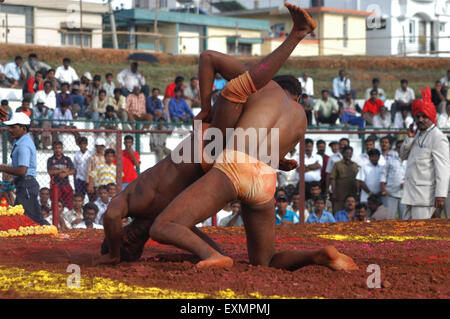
{"x":414,"y":262}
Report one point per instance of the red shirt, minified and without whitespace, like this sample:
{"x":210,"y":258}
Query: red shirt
{"x":371,"y":107}
{"x":170,"y":90}
{"x":129,"y":171}
{"x":31,"y":86}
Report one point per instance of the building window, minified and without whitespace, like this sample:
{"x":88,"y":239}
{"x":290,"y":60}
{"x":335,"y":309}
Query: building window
{"x":442,"y":27}
{"x":72,"y":39}
{"x":244,"y":49}
{"x":412,"y":31}
{"x":345,"y":29}
{"x":162,"y":4}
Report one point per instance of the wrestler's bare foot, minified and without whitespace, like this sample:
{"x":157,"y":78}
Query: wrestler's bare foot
{"x":303,"y":23}
{"x":330,"y":257}
{"x":216,"y":261}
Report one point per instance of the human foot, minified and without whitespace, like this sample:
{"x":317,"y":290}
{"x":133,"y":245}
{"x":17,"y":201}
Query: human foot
{"x":216,"y":262}
{"x":303,"y":23}
{"x":330,"y":257}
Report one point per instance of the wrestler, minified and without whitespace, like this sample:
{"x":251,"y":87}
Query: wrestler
{"x":253,"y":182}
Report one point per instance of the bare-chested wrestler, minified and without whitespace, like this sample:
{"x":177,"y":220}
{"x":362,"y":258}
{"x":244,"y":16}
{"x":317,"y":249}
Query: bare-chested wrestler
{"x":267,"y":106}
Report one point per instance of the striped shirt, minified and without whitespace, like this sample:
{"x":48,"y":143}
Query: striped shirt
{"x":136,"y":104}
{"x":104,"y":174}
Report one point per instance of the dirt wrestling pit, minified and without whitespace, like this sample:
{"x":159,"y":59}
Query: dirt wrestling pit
{"x":405,"y":259}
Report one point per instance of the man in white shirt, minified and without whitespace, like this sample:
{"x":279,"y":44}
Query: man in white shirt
{"x":129,"y":78}
{"x":375,"y":86}
{"x":63,"y":114}
{"x":368,"y":178}
{"x":102,"y":203}
{"x":382,"y":119}
{"x":90,"y":211}
{"x":342,"y":85}
{"x":80,"y":163}
{"x":313,"y":164}
{"x":65,"y":73}
{"x":307,"y":84}
{"x":403,"y":119}
{"x":363,"y":159}
{"x":47,"y":95}
{"x":404,"y":97}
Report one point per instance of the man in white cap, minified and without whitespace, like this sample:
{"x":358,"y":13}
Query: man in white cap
{"x":96,"y":160}
{"x":23,"y":167}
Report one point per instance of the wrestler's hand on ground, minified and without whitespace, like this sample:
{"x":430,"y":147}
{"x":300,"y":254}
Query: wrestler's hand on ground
{"x":287,"y":165}
{"x":106,"y":260}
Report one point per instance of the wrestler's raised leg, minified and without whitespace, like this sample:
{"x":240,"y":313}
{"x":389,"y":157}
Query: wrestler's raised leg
{"x":259,"y":223}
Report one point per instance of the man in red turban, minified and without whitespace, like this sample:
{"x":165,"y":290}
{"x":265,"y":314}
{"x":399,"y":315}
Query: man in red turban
{"x":425,"y":106}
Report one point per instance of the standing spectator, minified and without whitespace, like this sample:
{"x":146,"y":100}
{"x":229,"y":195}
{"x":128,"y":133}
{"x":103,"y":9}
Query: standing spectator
{"x":386,"y":152}
{"x":378,"y":211}
{"x":109,"y":86}
{"x":13,"y":73}
{"x":192,"y":93}
{"x":372,"y":107}
{"x":438,"y":97}
{"x":284,"y":216}
{"x":349,"y":112}
{"x":427,"y":172}
{"x":219,"y":82}
{"x":33,"y":65}
{"x":47,"y":95}
{"x":178,"y":108}
{"x":392,"y":179}
{"x":235,"y":218}
{"x":382,"y":119}
{"x":326,"y":109}
{"x":307,"y":84}
{"x":23,"y":167}
{"x":25,"y":108}
{"x":444,"y":118}
{"x":154,"y":106}
{"x":403,"y":99}
{"x":44,"y":197}
{"x":337,"y":149}
{"x":375,"y":86}
{"x":97,"y":107}
{"x":119,"y":103}
{"x":363,"y":158}
{"x":104,"y":173}
{"x":170,"y":91}
{"x":96,"y":160}
{"x":316,"y":191}
{"x":136,"y":108}
{"x":313,"y":164}
{"x":343,"y":179}
{"x":90,"y":211}
{"x":369,"y":176}
{"x":342,"y":85}
{"x":308,"y":105}
{"x":131,"y":162}
{"x":80,"y":163}
{"x":349,"y":212}
{"x":41,"y":115}
{"x":320,"y":215}
{"x":65,"y":73}
{"x":158,"y":140}
{"x":102,"y":203}
{"x":60,"y":167}
{"x":75,"y":216}
{"x":130,"y":78}
{"x":321,"y":147}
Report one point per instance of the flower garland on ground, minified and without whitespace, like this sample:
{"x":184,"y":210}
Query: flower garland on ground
{"x":14,"y":223}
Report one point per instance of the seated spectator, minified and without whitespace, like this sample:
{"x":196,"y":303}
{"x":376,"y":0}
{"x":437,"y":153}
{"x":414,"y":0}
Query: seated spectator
{"x":130,"y":78}
{"x":313,"y":165}
{"x":342,"y":86}
{"x":61,"y":117}
{"x":83,"y":97}
{"x":25,"y":107}
{"x":316,"y":191}
{"x":47,"y":214}
{"x":446,"y":82}
{"x":44,"y":198}
{"x":90,"y":211}
{"x":308,"y":105}
{"x":102,"y":203}
{"x":3,"y":80}
{"x":158,"y":140}
{"x":136,"y":108}
{"x":235,"y":218}
{"x":444,"y":118}
{"x":349,"y":112}
{"x":296,"y":208}
{"x":13,"y":73}
{"x":382,"y":119}
{"x":170,"y":91}
{"x":60,"y":167}
{"x":403,"y":99}
{"x":95,"y":87}
{"x":307,"y":85}
{"x":192,"y":93}
{"x":178,"y":108}
{"x":403,"y":119}
{"x":109,"y":119}
{"x":62,"y":211}
{"x":97,"y":107}
{"x":375,"y":86}
{"x":109,"y":86}
{"x":372,"y":107}
{"x":369,"y":176}
{"x":34,"y":83}
{"x":378,"y":211}
{"x":362,"y":213}
{"x":219,"y":82}
{"x":326,"y":109}
{"x":154,"y":106}
{"x":65,"y":73}
{"x":119,"y":103}
{"x":5,"y":107}
{"x":47,"y":95}
{"x":349,"y":212}
{"x":33,"y":65}
{"x":284,"y":216}
{"x":105,"y":173}
{"x":65,"y":96}
{"x":319,"y":215}
{"x":438,"y":97}
{"x":112,"y":190}
{"x":75,"y":216}
{"x":52,"y":79}
{"x":41,"y":113}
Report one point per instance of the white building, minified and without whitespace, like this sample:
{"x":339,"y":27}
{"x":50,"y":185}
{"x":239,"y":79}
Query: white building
{"x":51,"y":23}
